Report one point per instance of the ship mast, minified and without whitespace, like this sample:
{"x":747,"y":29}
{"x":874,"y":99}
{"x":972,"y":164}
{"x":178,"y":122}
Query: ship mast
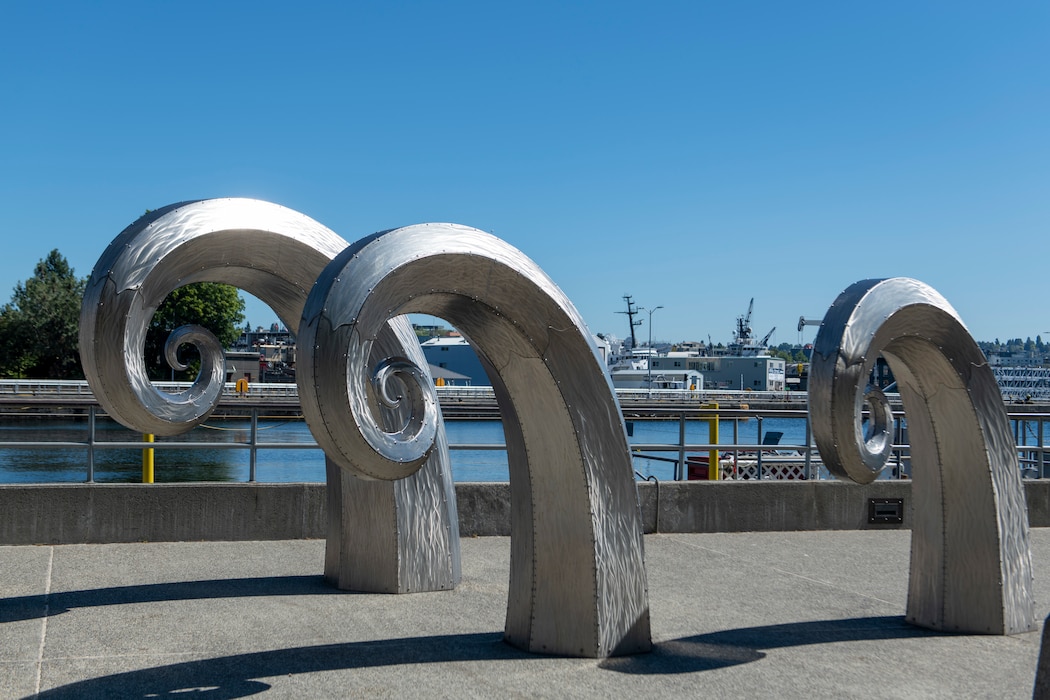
{"x":631,"y":311}
{"x":743,"y":327}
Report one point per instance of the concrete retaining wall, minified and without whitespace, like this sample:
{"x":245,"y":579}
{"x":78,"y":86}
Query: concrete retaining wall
{"x":82,"y":513}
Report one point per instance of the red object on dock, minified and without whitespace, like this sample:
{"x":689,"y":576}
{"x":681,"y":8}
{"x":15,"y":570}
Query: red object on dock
{"x":698,"y":467}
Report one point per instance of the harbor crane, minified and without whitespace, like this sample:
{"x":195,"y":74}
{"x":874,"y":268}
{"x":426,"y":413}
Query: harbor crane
{"x":743,"y":339}
{"x":743,"y":325}
{"x":803,"y":322}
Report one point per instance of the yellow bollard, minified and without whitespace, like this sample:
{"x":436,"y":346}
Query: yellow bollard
{"x":147,"y":460}
{"x":714,"y":468}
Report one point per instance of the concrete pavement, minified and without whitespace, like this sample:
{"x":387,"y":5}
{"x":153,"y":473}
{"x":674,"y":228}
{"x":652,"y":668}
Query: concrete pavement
{"x":742,"y":615}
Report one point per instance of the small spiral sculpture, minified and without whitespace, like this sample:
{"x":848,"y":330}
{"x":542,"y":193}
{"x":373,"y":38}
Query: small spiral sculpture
{"x":971,"y":568}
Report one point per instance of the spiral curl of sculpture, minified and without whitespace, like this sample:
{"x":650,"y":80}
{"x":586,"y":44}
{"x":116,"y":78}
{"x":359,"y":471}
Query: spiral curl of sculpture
{"x":265,"y":249}
{"x":971,"y":564}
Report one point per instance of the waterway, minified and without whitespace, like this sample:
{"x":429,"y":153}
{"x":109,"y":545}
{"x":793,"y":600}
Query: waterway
{"x":57,"y":465}
{"x":69,"y":464}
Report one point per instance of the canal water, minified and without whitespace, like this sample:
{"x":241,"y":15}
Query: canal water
{"x":69,"y":464}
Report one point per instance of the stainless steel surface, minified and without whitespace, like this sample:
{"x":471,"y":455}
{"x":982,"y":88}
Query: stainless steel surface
{"x":275,"y":254}
{"x":970,"y":565}
{"x":577,"y":582}
{"x":421,"y":553}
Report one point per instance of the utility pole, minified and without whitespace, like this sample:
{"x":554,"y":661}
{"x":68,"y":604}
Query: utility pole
{"x":649,"y":362}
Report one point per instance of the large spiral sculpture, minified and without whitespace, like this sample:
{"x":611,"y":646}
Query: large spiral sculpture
{"x":971,"y":568}
{"x":577,"y":583}
{"x":577,"y":580}
{"x":275,"y":254}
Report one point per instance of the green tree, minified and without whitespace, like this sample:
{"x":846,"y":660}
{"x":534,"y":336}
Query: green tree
{"x":39,"y":326}
{"x":790,"y":353}
{"x":217,"y":307}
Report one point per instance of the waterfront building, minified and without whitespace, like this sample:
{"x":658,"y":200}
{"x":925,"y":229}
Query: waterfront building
{"x":453,"y":353}
{"x":274,"y":335}
{"x":268,"y":355}
{"x":244,"y":364}
{"x":262,"y":356}
{"x":754,"y":372}
{"x":645,"y":379}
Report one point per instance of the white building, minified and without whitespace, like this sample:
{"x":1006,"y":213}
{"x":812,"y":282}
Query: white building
{"x":455,"y":354}
{"x":757,"y":373}
{"x":660,"y":380}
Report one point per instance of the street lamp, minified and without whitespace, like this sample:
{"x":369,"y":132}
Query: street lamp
{"x":649,"y":362}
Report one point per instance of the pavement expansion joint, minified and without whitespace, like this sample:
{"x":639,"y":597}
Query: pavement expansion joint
{"x":46,"y":615}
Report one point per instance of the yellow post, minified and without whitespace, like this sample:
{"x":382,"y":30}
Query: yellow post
{"x":714,"y":469}
{"x":147,"y":460}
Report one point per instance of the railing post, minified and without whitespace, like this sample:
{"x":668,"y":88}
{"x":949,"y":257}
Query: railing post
{"x":681,"y":468}
{"x":254,"y":441}
{"x":809,"y":453}
{"x":1042,"y":455}
{"x":91,"y":445}
{"x":736,"y":451}
{"x":758,"y":452}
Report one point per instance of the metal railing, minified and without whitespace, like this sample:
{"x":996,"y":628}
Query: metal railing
{"x":1029,"y":429}
{"x":55,"y":388}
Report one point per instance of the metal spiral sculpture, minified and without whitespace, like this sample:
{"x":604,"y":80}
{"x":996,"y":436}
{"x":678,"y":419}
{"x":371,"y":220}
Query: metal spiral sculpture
{"x":275,"y":254}
{"x":971,"y":567}
{"x":577,"y":574}
{"x":577,"y":584}
{"x":577,"y":579}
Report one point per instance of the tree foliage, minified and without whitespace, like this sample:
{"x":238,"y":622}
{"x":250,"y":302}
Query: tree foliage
{"x":217,"y":307}
{"x":789,"y":353}
{"x":39,"y":326}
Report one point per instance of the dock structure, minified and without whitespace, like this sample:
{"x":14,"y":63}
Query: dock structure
{"x":458,"y":401}
{"x":1025,"y":384}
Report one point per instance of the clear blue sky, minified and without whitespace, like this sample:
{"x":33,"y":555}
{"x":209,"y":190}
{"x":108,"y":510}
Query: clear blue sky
{"x":692,"y":154}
